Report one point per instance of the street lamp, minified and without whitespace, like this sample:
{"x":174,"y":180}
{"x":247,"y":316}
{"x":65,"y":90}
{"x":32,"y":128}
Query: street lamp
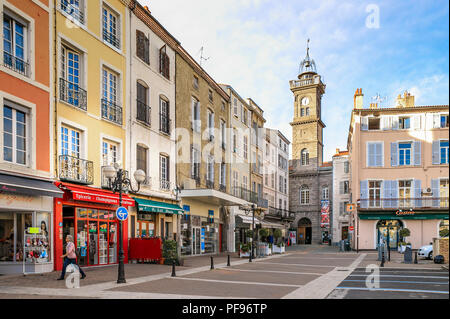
{"x":247,"y":210}
{"x":117,"y":182}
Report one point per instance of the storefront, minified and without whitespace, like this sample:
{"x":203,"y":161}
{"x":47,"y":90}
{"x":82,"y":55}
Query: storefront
{"x":88,"y":214}
{"x":386,"y":225}
{"x":24,"y":203}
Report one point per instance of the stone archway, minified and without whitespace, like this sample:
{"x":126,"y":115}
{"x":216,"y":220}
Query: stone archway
{"x":304,"y":231}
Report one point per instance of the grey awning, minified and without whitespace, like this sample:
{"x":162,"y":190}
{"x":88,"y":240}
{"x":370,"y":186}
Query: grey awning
{"x":28,"y":186}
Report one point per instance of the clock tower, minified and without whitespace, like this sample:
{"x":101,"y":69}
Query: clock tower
{"x":307,"y":125}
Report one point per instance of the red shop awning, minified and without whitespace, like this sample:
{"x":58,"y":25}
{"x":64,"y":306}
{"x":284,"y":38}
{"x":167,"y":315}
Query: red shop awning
{"x":93,"y":195}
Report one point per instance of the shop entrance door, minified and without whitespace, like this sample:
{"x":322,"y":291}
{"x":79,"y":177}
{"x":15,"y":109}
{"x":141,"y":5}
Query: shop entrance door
{"x":196,"y":240}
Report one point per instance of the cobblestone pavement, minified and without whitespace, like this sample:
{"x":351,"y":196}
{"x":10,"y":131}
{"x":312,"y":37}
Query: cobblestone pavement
{"x":303,"y":272}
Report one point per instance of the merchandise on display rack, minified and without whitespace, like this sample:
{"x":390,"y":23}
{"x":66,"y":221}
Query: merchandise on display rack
{"x":35,"y":250}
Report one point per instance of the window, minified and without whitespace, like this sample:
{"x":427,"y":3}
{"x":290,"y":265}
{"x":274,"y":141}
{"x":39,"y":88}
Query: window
{"x":305,"y":157}
{"x":404,"y":153}
{"x":404,"y":123}
{"x":15,"y":45}
{"x":374,"y":123}
{"x":223,"y":106}
{"x":210,"y":95}
{"x":210,"y":169}
{"x":245,"y":116}
{"x":234,"y":140}
{"x":444,"y":152}
{"x":404,"y":190}
{"x":70,"y":142}
{"x":443,"y":192}
{"x":235,"y":107}
{"x":244,"y":182}
{"x":196,"y":122}
{"x":73,"y":8}
{"x":141,"y":158}
{"x":374,"y":154}
{"x":70,"y":83}
{"x":346,"y":167}
{"x":143,"y":110}
{"x":164,"y":116}
{"x":266,"y":177}
{"x":210,"y":125}
{"x":142,"y":47}
{"x":14,"y":136}
{"x":164,"y":63}
{"x":374,"y":194}
{"x":111,"y":28}
{"x":164,"y":172}
{"x":302,"y":112}
{"x":110,"y":109}
{"x":222,"y":133}
{"x":195,"y":82}
{"x":307,"y":111}
{"x":245,"y":147}
{"x":346,"y":187}
{"x":109,"y":153}
{"x":195,"y":163}
{"x":444,"y":121}
{"x":325,"y":193}
{"x":236,"y":183}
{"x":343,"y":208}
{"x":304,"y":195}
{"x":223,"y":174}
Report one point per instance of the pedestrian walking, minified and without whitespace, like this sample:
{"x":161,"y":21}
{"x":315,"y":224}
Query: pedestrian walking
{"x":70,"y":258}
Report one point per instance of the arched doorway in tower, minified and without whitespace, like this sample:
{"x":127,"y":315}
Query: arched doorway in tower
{"x":304,"y":233}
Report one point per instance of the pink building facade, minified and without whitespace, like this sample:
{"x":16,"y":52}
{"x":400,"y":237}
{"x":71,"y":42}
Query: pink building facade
{"x":399,"y":159}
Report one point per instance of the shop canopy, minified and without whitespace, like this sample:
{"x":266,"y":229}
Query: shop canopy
{"x":150,"y":206}
{"x":28,"y":186}
{"x":383,"y":215}
{"x":247,"y":219}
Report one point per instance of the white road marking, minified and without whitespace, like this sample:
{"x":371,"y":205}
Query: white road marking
{"x":399,"y":276}
{"x":237,"y":282}
{"x":404,"y":282}
{"x":297,"y":265}
{"x":392,"y":289}
{"x":274,"y":271}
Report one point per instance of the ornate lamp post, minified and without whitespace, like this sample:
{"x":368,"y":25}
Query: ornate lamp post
{"x":247,"y":210}
{"x":118,"y":181}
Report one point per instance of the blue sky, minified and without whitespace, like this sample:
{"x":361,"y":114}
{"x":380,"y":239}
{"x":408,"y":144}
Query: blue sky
{"x":257,"y":45}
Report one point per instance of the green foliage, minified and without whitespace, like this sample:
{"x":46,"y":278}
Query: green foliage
{"x":277,"y":233}
{"x":249,"y":233}
{"x":264,"y":233}
{"x":170,"y":252}
{"x":245,"y":247}
{"x":443,"y":232}
{"x":405,"y":232}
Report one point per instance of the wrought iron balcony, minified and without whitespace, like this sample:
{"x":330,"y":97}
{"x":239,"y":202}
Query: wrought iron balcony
{"x":76,"y":170}
{"x":72,"y":10}
{"x":403,"y":203}
{"x":143,"y":112}
{"x":111,"y":112}
{"x":209,"y":184}
{"x":222,"y":188}
{"x":72,"y":94}
{"x":16,"y":64}
{"x":280,"y":214}
{"x":164,"y":185}
{"x":111,"y":38}
{"x":242,"y":193}
{"x":164,"y":123}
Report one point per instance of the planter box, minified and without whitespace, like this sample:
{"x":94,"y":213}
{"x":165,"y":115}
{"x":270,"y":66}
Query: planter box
{"x":278,"y":249}
{"x":242,"y":254}
{"x":268,"y":251}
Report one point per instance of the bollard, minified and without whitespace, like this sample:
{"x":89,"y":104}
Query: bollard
{"x":173,"y":269}
{"x":389,"y":253}
{"x":212,"y":263}
{"x":228,"y":262}
{"x":250,"y":255}
{"x":382,"y":259}
{"x":415,"y":258}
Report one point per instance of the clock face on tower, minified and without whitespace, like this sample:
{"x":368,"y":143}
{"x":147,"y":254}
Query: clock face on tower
{"x":305,"y":100}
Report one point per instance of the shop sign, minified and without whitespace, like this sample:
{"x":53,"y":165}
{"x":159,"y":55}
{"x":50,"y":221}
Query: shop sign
{"x":402,"y":213}
{"x":202,"y":240}
{"x":101,"y":199}
{"x":351,"y":228}
{"x":34,"y":230}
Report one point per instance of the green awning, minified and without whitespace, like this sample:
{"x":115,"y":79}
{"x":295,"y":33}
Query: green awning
{"x":150,"y":206}
{"x":391,"y":216}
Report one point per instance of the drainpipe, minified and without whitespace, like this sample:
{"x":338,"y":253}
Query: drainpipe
{"x":55,"y":83}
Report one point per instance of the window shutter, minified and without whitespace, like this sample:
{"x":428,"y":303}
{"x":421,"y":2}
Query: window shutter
{"x":436,"y":153}
{"x":147,"y":50}
{"x":378,"y":154}
{"x":417,"y":121}
{"x":387,"y":194}
{"x":139,"y":43}
{"x":371,"y":155}
{"x":395,"y":122}
{"x":167,"y":66}
{"x":418,"y":192}
{"x":435,"y":190}
{"x":192,"y":161}
{"x":193,"y":114}
{"x":342,"y":208}
{"x":394,"y":193}
{"x":364,"y":189}
{"x":417,"y":152}
{"x":168,"y":169}
{"x":387,"y":123}
{"x":364,"y":123}
{"x":341,"y":187}
{"x":394,"y":154}
{"x":436,"y":121}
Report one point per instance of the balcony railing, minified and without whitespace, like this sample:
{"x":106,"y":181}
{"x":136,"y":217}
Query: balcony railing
{"x":72,"y":10}
{"x":209,"y":184}
{"x":164,"y":185}
{"x":164,"y":123}
{"x":72,"y":94}
{"x":249,"y":196}
{"x":404,"y":203}
{"x":111,"y":111}
{"x":16,"y":64}
{"x":222,"y":188}
{"x":143,"y":112}
{"x":304,"y":82}
{"x":111,"y":38}
{"x":77,"y":170}
{"x":281,"y":214}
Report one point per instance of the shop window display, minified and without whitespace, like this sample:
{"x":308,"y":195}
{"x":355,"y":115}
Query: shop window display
{"x":6,"y":236}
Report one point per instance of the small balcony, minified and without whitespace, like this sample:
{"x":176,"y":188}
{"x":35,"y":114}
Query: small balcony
{"x":404,"y":203}
{"x":111,"y":112}
{"x":164,"y":123}
{"x":16,"y":64}
{"x":72,"y":10}
{"x":111,"y":38}
{"x":280,"y":214}
{"x":222,"y":188}
{"x":164,"y":185}
{"x":209,"y":184}
{"x":76,"y":170}
{"x":71,"y":93}
{"x":143,"y":112}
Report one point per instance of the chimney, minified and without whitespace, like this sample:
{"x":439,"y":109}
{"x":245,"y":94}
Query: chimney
{"x":146,"y":8}
{"x":358,"y":99}
{"x":406,"y":101}
{"x":337,"y":151}
{"x":373,"y":105}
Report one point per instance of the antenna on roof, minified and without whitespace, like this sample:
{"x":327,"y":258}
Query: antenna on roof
{"x":201,"y":56}
{"x":378,"y":99}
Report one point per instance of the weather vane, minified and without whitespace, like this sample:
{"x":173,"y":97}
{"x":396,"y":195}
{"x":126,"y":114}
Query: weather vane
{"x":378,"y":99}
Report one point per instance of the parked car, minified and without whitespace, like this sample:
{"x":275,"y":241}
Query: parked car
{"x":426,"y":251}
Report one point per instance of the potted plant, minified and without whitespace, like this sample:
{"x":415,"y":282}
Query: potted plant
{"x":279,"y":245}
{"x":169,"y":254}
{"x":244,"y":250}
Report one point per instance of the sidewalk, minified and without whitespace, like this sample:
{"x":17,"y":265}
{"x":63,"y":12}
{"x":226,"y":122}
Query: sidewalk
{"x":397,"y":261}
